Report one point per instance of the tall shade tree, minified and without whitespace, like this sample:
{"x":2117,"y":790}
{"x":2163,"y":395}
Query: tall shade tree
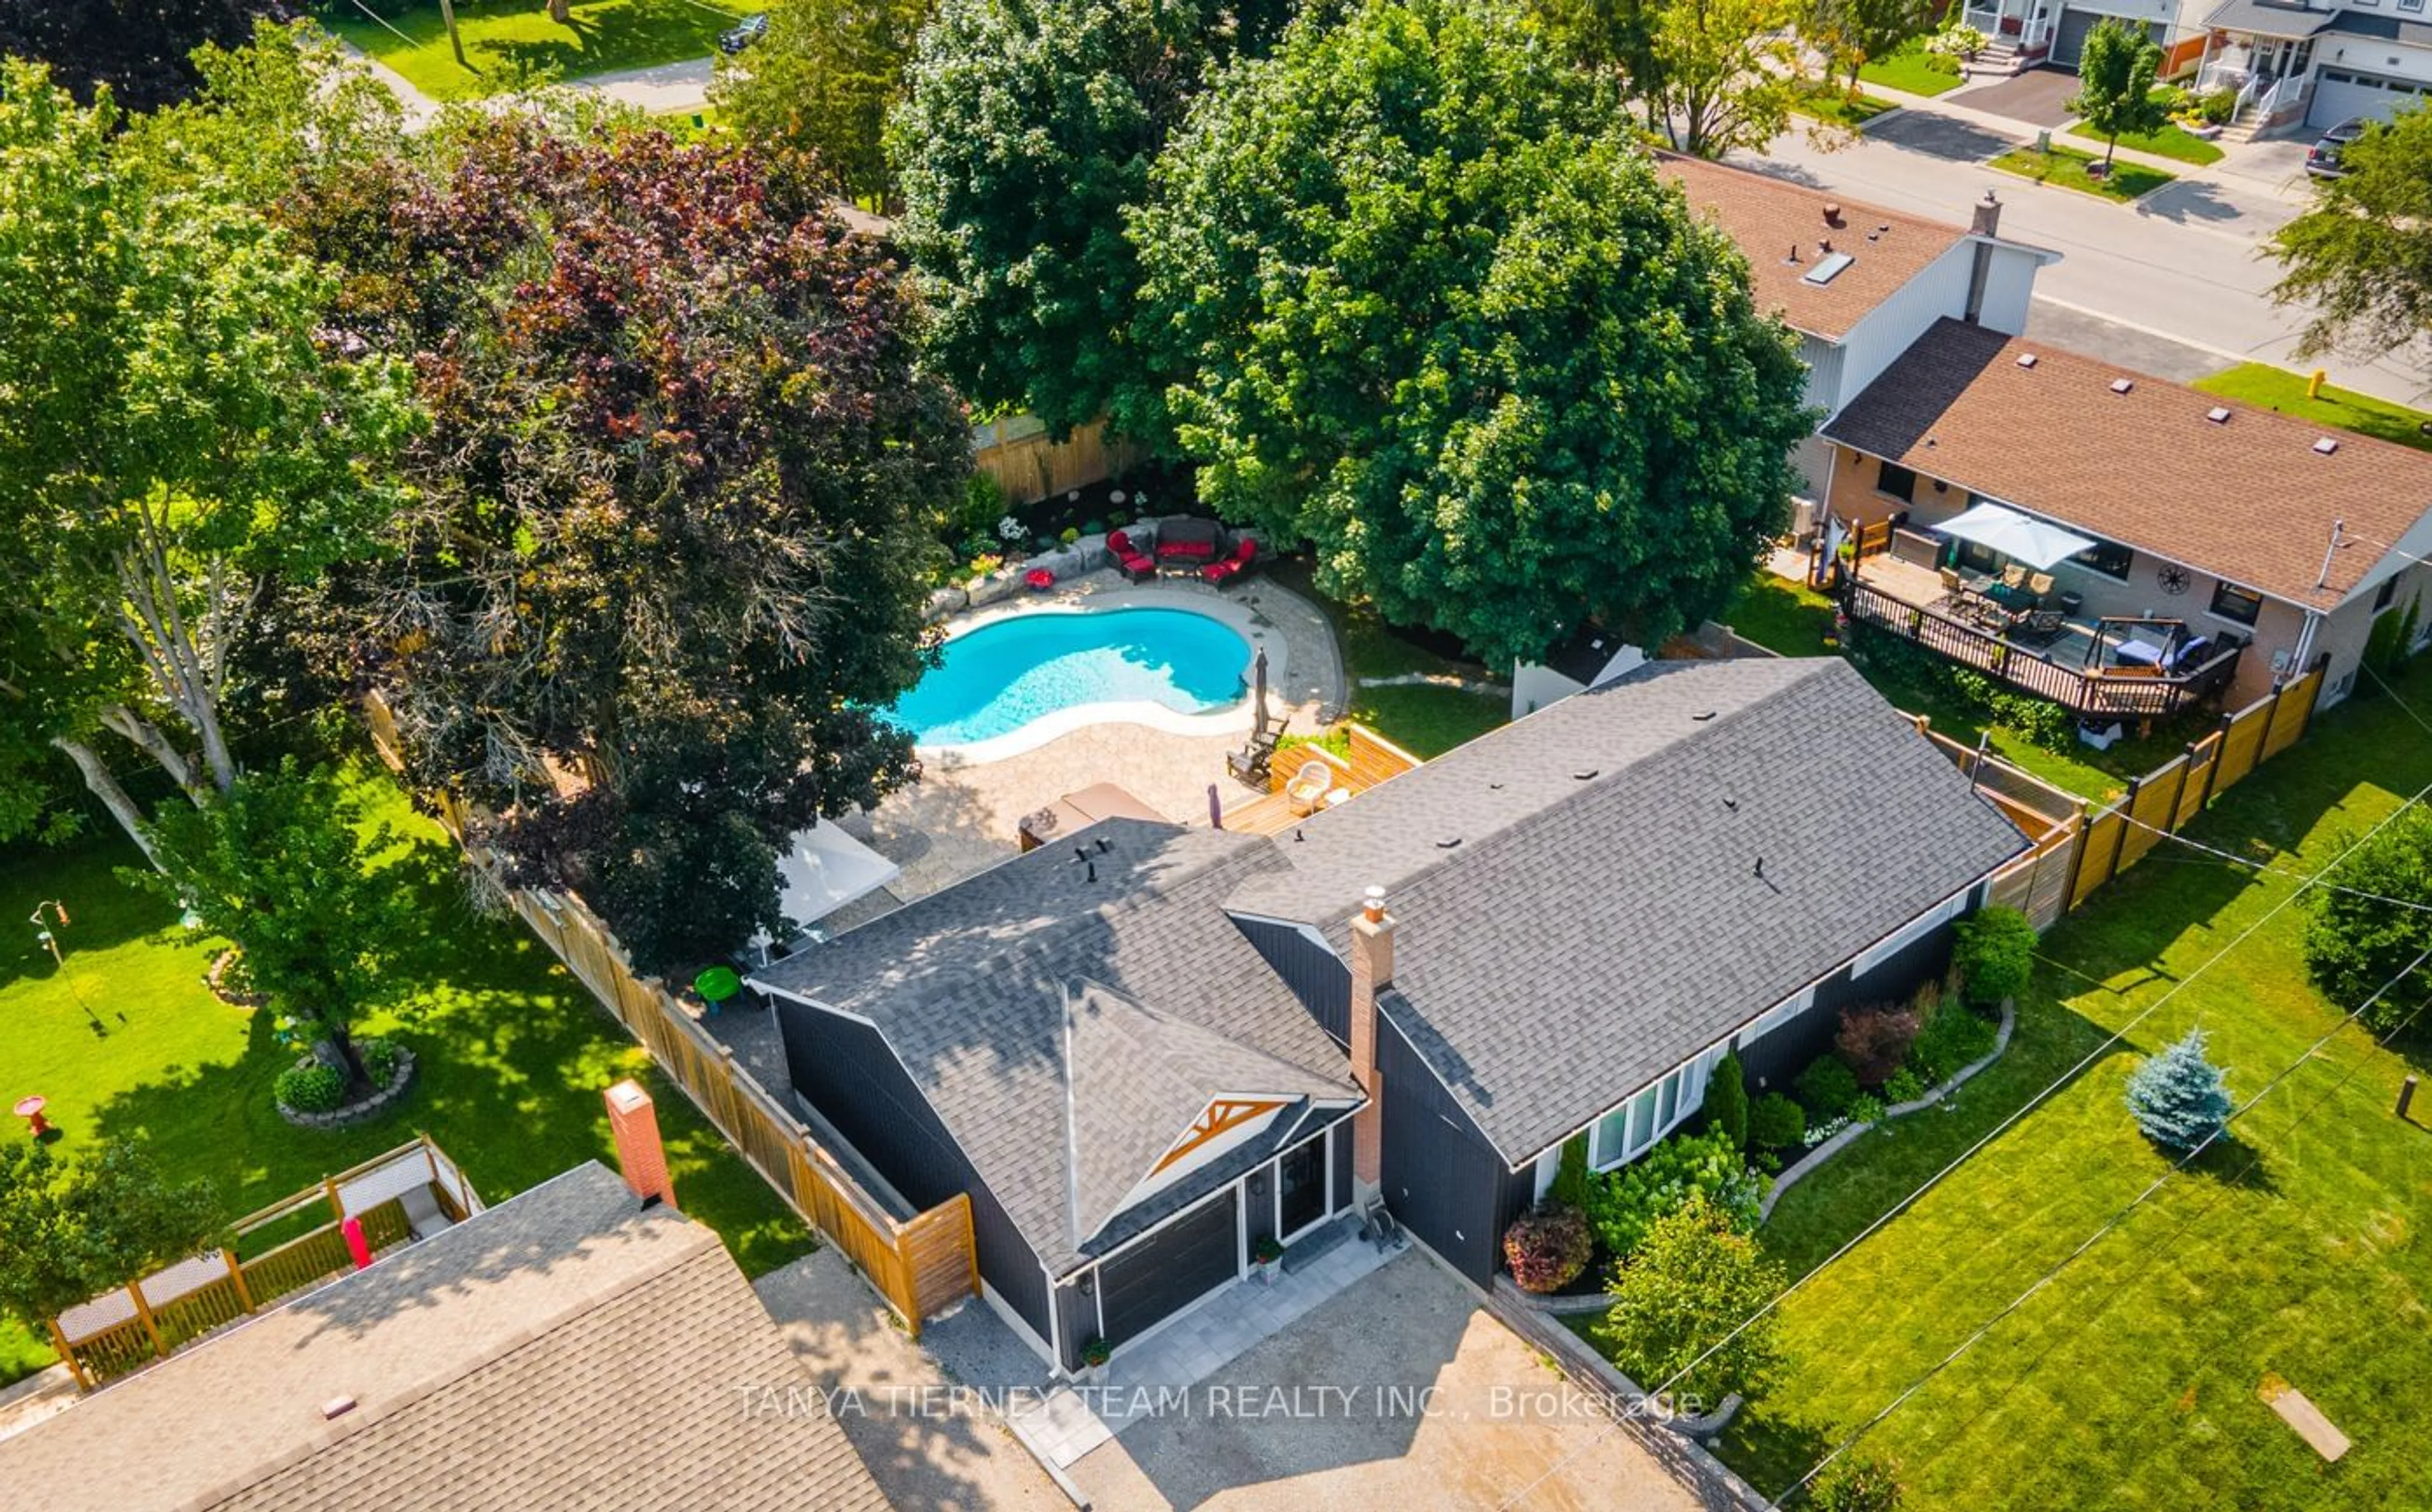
{"x":1025,"y":139}
{"x":820,"y":81}
{"x":2369,"y":928}
{"x":178,"y":427}
{"x":670,"y":533}
{"x":1725,"y":73}
{"x":140,"y":50}
{"x":1852,"y":33}
{"x":1449,"y":327}
{"x":2360,"y":259}
{"x":2115,"y":76}
{"x":1613,"y":40}
{"x":283,"y":863}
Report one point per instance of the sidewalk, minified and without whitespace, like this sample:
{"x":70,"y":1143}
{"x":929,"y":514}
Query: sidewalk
{"x":2023,"y":134}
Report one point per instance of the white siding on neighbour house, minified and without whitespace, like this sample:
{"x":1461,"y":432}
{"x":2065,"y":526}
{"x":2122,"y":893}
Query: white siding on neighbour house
{"x":2009,"y":288}
{"x":1823,"y":359}
{"x":1939,"y":289}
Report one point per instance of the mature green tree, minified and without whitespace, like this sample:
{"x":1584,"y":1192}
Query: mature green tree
{"x":1445,"y":325}
{"x":179,"y":427}
{"x":1852,"y":33}
{"x":283,"y":863}
{"x":2356,"y":943}
{"x":2115,"y":76}
{"x":71,"y":1231}
{"x":1022,"y":143}
{"x":1726,"y":71}
{"x":822,"y":81}
{"x":1694,"y":1279}
{"x":1613,"y":40}
{"x":2360,"y":259}
{"x":676,"y":491}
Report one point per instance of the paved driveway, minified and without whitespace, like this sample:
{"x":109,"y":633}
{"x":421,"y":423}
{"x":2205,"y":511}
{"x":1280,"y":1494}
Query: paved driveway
{"x":1400,"y":1394}
{"x":2037,"y":97}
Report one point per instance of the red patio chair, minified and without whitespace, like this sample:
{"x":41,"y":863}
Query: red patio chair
{"x":1232,"y":569}
{"x":1135,"y":564}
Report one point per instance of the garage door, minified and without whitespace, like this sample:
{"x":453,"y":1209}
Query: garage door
{"x":1171,"y":1269}
{"x":2338,"y":94}
{"x":2068,"y":41}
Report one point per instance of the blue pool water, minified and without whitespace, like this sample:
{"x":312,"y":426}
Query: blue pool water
{"x":1000,"y":677}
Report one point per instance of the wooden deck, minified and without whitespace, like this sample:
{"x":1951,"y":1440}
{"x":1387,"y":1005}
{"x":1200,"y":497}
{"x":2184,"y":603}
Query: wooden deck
{"x":1370,"y":759}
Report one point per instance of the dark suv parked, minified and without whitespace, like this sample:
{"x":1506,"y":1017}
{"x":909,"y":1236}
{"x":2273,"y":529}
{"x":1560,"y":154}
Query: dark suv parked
{"x":2323,"y":158}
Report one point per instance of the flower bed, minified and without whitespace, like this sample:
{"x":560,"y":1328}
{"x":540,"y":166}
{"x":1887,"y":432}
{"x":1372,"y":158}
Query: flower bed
{"x":400,"y":1079}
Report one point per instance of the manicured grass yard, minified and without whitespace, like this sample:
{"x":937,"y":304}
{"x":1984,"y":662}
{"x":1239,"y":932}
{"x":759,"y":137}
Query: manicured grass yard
{"x":1913,"y":70}
{"x":1787,"y":618}
{"x":2172,"y":142}
{"x":2275,"y":388}
{"x":1424,"y":719}
{"x":2131,"y":1380}
{"x":2067,"y":167}
{"x":1836,"y":105}
{"x":504,"y":39}
{"x":124,"y":1040}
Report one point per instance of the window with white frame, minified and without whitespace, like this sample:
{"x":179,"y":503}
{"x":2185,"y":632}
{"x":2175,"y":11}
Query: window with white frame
{"x":1906,"y":936}
{"x":1655,"y":1111}
{"x":1778,"y":1014}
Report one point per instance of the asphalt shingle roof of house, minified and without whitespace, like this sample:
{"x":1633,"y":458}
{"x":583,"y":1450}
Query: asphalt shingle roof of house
{"x":567,"y":1348}
{"x":1579,"y":895}
{"x":1769,"y":216}
{"x":2248,"y":499}
{"x":969,"y":987}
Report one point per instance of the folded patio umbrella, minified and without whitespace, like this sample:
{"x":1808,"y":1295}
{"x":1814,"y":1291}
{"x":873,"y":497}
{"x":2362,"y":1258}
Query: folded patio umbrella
{"x":2020,"y":537}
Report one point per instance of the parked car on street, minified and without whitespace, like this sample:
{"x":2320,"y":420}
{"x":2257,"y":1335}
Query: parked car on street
{"x":2323,"y":158}
{"x":743,"y":33}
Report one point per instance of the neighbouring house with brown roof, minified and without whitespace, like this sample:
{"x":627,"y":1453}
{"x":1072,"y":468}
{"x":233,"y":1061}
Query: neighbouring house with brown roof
{"x":571,"y":1347}
{"x":2251,"y":544}
{"x":1859,"y":282}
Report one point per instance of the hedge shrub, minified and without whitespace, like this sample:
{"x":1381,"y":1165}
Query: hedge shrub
{"x":312,"y":1089}
{"x":1994,"y":951}
{"x":1548,"y":1248}
{"x":1874,"y":1040}
{"x":1727,"y":1100}
{"x":380,"y":1059}
{"x":1776,"y":1122}
{"x":1826,"y":1089}
{"x":1622,"y":1204}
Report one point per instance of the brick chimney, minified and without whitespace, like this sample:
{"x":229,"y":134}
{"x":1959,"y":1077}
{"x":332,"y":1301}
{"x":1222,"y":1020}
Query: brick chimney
{"x":1371,"y":973}
{"x":639,"y":1154}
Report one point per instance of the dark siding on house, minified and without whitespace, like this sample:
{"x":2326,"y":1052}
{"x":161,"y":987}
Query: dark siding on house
{"x":1444,"y":1180}
{"x":846,"y":1072}
{"x":1315,"y":974}
{"x":1259,"y":1203}
{"x":1343,"y":1179}
{"x":1773,"y":1062}
{"x":1079,"y":1311}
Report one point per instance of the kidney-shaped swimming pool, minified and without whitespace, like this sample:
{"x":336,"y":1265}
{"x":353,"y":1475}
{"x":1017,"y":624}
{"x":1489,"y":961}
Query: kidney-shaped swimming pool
{"x":1002,"y":677}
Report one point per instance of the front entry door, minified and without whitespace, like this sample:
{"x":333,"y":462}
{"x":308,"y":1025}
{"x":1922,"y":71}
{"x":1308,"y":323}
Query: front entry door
{"x":1300,"y":1187}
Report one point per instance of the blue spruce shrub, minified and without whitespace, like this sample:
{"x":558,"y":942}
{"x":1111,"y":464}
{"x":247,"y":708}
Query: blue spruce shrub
{"x":2178,"y":1097}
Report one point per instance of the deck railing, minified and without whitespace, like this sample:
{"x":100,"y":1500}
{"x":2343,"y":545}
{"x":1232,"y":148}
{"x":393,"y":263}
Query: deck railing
{"x":2111,"y":692}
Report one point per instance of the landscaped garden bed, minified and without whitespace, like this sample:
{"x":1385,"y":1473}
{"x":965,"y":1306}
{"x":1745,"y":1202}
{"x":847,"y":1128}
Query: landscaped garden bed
{"x":2273,"y":1253}
{"x":1915,"y":68}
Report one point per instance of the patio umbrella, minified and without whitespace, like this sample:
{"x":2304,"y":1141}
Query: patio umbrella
{"x":2020,"y":537}
{"x":1259,"y":693}
{"x":1215,"y":809}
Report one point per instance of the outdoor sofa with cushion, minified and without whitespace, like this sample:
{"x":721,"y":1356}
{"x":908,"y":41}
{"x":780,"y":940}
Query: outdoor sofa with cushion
{"x":1135,"y":564}
{"x":1188,"y":543}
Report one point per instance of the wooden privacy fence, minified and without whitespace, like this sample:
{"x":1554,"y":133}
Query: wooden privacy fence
{"x":150,"y":1317}
{"x":920,"y":1263}
{"x":2081,"y":849}
{"x":1017,"y":453}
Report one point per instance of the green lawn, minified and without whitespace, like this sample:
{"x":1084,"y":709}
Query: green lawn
{"x":1787,"y":618}
{"x":2172,"y":142}
{"x":2274,"y":388}
{"x":124,"y":1040}
{"x":2066,"y":166}
{"x":1913,"y":70}
{"x":1833,"y":103}
{"x":2131,"y":1380}
{"x":507,"y":40}
{"x":1425,"y":720}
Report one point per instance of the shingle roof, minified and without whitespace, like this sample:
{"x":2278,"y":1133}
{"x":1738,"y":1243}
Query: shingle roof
{"x":969,"y":984}
{"x":2249,"y":499}
{"x":1139,"y":1079}
{"x":562,"y":1349}
{"x":1601,"y":917}
{"x":1769,"y":216}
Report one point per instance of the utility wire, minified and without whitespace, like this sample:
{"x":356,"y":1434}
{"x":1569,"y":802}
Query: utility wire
{"x":2115,"y":1221}
{"x":1995,"y":1131}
